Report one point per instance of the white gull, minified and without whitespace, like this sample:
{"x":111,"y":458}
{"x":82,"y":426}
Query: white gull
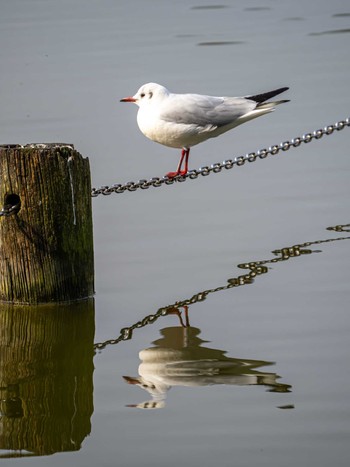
{"x":184,"y":120}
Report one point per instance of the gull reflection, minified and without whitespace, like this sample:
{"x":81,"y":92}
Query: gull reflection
{"x":179,"y":358}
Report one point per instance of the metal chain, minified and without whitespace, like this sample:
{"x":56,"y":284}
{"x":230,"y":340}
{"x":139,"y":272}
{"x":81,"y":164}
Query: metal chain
{"x":8,"y":210}
{"x":226,"y":164}
{"x":256,"y":268}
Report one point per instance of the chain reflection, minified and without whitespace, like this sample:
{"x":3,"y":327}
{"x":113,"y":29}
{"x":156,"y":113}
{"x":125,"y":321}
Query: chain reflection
{"x":255,"y":268}
{"x":179,"y":358}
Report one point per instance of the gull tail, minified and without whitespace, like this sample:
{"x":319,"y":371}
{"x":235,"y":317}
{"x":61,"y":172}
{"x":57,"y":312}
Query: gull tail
{"x":262,"y":107}
{"x":261,"y":99}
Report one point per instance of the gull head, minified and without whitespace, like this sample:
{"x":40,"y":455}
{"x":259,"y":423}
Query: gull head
{"x":148,"y":94}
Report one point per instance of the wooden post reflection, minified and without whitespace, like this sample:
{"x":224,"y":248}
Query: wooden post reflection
{"x":46,"y":377}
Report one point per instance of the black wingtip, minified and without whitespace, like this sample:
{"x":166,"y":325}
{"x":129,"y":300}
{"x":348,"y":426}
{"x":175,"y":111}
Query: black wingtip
{"x":259,"y":98}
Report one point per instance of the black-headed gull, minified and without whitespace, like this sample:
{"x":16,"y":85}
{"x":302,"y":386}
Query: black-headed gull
{"x":184,"y":120}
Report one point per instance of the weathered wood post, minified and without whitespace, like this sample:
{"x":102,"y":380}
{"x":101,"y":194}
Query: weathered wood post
{"x":46,"y":242}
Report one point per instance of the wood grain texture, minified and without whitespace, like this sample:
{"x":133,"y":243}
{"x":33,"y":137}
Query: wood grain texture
{"x":46,"y":249}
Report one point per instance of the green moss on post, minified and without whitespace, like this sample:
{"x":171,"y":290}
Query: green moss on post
{"x":46,"y":243}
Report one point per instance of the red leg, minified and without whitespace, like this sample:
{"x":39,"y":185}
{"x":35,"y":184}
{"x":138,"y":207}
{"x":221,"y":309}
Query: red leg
{"x":184,"y":156}
{"x":187,"y":154}
{"x":176,"y":311}
{"x":183,"y":153}
{"x":185,"y":307}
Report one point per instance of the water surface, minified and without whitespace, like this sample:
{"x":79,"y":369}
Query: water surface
{"x":260,"y":374}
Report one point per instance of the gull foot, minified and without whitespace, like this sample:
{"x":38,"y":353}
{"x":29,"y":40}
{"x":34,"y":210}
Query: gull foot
{"x":175,"y":174}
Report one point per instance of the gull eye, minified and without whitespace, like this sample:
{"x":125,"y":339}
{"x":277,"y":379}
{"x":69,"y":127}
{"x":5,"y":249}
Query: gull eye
{"x":142,"y":94}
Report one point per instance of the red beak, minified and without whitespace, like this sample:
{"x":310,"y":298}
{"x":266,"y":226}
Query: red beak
{"x":128,"y":99}
{"x":131,"y":380}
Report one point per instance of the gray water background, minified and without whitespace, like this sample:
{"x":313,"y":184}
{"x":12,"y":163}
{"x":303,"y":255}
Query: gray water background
{"x":64,"y":67}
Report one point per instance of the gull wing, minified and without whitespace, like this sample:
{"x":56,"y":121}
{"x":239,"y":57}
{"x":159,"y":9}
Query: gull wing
{"x":206,"y":112}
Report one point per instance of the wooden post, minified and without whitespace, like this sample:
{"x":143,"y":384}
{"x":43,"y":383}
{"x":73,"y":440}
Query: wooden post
{"x":46,"y":243}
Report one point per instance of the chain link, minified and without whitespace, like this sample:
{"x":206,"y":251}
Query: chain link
{"x":226,"y":164}
{"x":8,"y":210}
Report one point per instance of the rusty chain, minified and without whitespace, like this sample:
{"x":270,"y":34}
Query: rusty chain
{"x":226,"y":164}
{"x":193,"y":174}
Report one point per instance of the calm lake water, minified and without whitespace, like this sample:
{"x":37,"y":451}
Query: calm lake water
{"x":260,"y":375}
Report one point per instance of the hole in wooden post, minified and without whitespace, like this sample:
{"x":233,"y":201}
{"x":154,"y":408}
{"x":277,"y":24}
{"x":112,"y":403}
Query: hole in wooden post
{"x":12,"y":203}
